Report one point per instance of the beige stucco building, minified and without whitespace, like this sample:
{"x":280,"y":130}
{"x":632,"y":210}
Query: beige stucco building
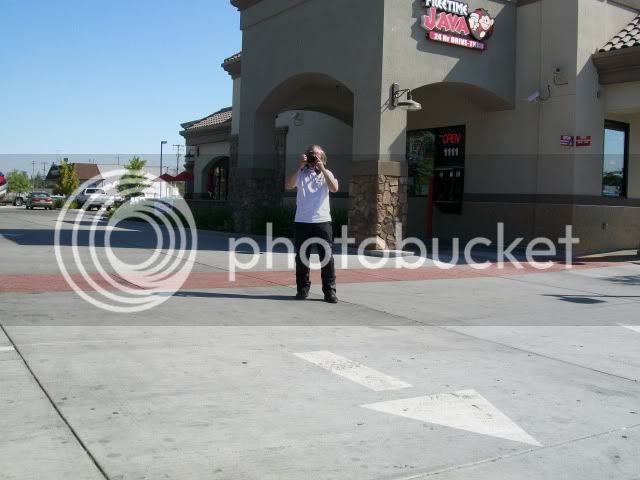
{"x":530,"y":114}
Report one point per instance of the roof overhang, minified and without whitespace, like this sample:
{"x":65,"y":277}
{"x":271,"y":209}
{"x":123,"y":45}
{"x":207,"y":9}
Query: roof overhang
{"x":233,"y":66}
{"x":244,"y":4}
{"x":618,"y":66}
{"x":223,"y":128}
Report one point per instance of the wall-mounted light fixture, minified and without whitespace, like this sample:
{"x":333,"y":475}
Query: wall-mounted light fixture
{"x":409,"y":104}
{"x":536,"y":97}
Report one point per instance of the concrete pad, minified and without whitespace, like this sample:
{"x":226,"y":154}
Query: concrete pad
{"x":235,"y":403}
{"x":484,"y":301}
{"x":613,"y":350}
{"x":35,"y":443}
{"x":609,"y":455}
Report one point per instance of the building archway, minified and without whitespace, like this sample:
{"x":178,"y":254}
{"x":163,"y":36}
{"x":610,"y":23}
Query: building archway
{"x":215,"y":179}
{"x":267,"y":152}
{"x":459,"y":152}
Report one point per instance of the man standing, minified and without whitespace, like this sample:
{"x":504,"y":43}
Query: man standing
{"x":313,"y":220}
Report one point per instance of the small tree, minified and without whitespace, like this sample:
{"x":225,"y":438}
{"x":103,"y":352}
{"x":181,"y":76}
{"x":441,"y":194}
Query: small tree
{"x":133,"y":183}
{"x":69,"y":181}
{"x":39,"y":182}
{"x":18,"y":182}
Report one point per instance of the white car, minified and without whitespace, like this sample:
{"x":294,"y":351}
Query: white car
{"x":94,"y":198}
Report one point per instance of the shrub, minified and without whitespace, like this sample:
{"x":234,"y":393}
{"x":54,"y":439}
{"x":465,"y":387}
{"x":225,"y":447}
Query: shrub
{"x":216,"y":218}
{"x":340,"y":217}
{"x":282,"y":218}
{"x":59,"y":203}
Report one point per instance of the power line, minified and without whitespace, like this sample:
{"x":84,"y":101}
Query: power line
{"x":178,"y":149}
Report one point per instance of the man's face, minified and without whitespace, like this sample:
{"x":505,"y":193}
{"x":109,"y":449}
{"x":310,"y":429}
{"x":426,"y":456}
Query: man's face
{"x":317,"y":153}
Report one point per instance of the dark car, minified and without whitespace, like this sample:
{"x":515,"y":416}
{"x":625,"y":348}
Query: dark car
{"x":39,"y":200}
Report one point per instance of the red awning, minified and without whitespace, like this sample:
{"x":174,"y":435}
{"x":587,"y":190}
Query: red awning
{"x":184,"y":177}
{"x":166,"y":178}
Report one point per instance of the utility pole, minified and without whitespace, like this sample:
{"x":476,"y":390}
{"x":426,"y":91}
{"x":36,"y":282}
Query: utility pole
{"x":33,"y":174}
{"x":178,"y":149}
{"x":162,"y":144}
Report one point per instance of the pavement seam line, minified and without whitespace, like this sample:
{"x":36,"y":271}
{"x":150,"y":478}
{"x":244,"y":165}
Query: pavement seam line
{"x":93,"y":459}
{"x":541,"y":355}
{"x":485,"y":461}
{"x":521,"y":280}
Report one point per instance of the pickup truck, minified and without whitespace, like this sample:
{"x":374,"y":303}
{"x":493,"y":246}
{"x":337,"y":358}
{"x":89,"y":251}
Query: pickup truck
{"x":14,"y":198}
{"x":94,"y":198}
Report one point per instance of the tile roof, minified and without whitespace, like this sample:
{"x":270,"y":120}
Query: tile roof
{"x":86,"y":171}
{"x":627,"y":38}
{"x":221,"y":117}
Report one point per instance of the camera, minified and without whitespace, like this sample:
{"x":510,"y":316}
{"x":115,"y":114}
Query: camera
{"x":311,"y":158}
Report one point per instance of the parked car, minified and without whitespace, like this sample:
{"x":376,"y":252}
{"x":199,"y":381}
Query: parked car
{"x":39,"y":200}
{"x":94,"y":198}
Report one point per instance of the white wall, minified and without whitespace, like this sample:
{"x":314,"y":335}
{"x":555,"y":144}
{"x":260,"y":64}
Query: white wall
{"x":308,"y":128}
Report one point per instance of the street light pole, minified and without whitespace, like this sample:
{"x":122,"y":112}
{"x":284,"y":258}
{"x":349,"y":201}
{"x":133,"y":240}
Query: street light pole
{"x":162,"y":144}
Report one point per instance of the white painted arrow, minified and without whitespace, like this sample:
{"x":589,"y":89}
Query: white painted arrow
{"x":464,"y":410}
{"x":354,"y":371}
{"x":633,"y":328}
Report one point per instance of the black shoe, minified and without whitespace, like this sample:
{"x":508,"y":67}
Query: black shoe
{"x":302,"y":295}
{"x":331,"y":298}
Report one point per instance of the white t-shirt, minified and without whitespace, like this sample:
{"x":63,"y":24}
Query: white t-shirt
{"x":313,"y":197}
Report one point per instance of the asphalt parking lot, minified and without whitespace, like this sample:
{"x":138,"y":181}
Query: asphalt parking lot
{"x":523,"y":375}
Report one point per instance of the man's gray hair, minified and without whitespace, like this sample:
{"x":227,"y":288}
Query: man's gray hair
{"x":323,"y":157}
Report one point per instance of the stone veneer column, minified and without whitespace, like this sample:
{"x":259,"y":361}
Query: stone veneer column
{"x":378,"y":202}
{"x":256,"y":188}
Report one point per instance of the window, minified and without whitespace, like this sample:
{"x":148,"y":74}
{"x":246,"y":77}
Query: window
{"x":218,"y":181}
{"x":616,"y":159}
{"x":421,"y":151}
{"x":432,"y":150}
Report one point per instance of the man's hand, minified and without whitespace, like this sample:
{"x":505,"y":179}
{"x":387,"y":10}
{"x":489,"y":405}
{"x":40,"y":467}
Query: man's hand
{"x":303,"y":161}
{"x":292,"y":179}
{"x":332,"y":182}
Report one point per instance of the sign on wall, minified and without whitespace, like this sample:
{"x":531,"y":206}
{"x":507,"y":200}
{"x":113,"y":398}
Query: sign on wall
{"x":567,"y":140}
{"x":452,"y":22}
{"x":583,"y":141}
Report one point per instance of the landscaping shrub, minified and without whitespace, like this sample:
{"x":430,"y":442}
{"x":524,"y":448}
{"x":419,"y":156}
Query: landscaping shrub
{"x":282,"y":218}
{"x":216,"y":218}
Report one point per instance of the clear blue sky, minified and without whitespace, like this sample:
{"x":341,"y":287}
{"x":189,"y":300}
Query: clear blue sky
{"x":109,"y":77}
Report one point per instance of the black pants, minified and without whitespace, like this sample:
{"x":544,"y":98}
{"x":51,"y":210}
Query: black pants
{"x":323,"y":231}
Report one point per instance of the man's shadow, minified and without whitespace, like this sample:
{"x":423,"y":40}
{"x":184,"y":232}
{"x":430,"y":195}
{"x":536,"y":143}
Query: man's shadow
{"x":281,"y":298}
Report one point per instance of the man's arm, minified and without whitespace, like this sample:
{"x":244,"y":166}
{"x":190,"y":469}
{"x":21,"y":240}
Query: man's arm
{"x":332,"y":182}
{"x":292,"y":179}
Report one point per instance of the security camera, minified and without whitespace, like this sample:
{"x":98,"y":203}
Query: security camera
{"x":534,"y":97}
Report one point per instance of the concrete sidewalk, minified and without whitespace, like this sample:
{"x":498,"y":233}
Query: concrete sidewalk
{"x":520,"y":375}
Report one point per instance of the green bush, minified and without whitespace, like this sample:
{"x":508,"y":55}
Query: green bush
{"x":282,"y":218}
{"x":340,"y":217}
{"x":216,"y":218}
{"x":59,"y":203}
